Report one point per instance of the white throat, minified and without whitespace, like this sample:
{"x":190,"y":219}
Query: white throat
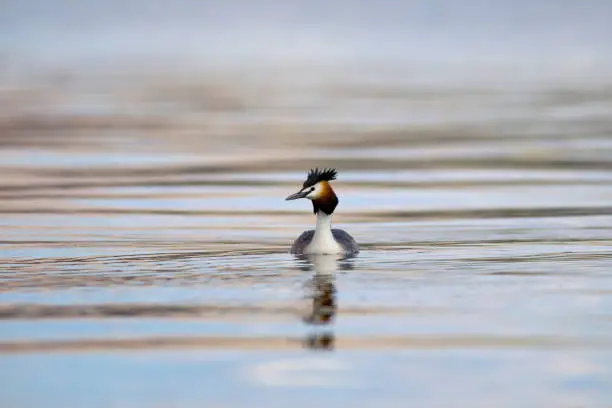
{"x":323,"y":241}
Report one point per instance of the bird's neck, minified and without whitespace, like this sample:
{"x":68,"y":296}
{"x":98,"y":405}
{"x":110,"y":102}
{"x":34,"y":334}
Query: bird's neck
{"x":324,"y":222}
{"x":323,"y":241}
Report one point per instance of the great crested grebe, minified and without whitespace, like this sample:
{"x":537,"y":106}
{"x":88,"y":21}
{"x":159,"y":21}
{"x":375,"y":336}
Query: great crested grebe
{"x":323,"y":239}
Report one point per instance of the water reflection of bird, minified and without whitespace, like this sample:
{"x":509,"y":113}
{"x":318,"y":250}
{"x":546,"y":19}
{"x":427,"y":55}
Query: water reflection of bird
{"x":322,"y":290}
{"x":323,"y":239}
{"x":323,"y":300}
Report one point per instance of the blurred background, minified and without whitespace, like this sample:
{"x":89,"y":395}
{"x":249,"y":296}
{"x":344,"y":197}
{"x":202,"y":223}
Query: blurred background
{"x":146,"y":148}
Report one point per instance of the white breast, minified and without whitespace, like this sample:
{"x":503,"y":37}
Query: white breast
{"x":323,"y":241}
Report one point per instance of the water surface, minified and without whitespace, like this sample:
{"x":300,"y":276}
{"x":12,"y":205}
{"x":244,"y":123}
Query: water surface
{"x":145,"y":256}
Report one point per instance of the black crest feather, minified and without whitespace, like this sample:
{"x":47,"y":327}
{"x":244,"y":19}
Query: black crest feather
{"x":316,"y":175}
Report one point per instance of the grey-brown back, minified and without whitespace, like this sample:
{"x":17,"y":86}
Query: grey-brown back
{"x":348,"y":244}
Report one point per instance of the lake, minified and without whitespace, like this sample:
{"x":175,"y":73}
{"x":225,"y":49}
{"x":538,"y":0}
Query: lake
{"x":144,"y":243}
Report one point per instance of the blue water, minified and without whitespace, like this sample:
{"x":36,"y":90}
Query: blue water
{"x":193,"y":378}
{"x":146,"y":150}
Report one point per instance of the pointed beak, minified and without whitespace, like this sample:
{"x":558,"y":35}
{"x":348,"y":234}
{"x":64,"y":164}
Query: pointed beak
{"x":299,"y":194}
